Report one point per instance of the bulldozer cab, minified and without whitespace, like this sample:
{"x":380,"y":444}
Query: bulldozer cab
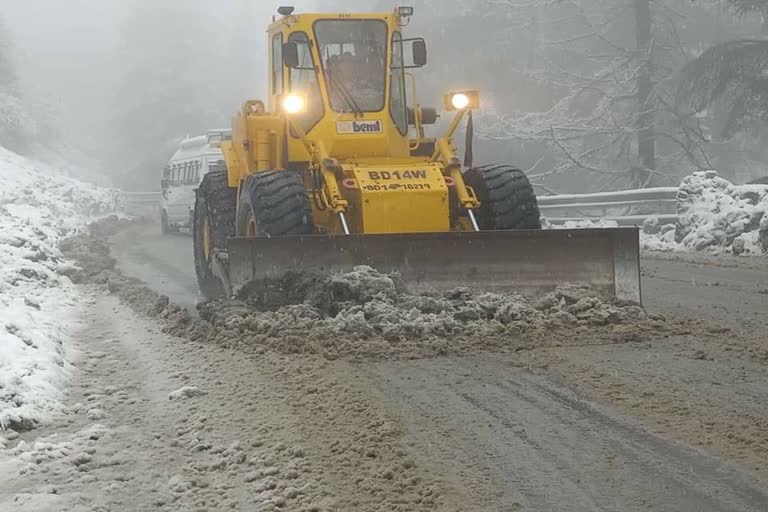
{"x":350,"y":72}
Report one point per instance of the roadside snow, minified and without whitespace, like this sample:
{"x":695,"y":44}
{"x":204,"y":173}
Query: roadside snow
{"x":38,"y":209}
{"x":716,"y":216}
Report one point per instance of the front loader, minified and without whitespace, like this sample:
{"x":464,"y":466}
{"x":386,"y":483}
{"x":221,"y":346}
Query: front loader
{"x":334,"y":170}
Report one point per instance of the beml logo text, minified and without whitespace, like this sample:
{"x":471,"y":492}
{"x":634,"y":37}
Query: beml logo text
{"x":366,"y":126}
{"x":352,"y":127}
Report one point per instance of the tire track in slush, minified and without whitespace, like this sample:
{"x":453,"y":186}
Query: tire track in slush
{"x":553,"y":450}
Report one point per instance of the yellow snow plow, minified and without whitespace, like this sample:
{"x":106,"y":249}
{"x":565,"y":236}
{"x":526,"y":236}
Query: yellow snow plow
{"x":335,"y":170}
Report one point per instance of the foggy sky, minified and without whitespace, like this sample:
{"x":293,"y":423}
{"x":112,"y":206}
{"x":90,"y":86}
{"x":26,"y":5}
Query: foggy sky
{"x":71,"y":56}
{"x":87,"y":64}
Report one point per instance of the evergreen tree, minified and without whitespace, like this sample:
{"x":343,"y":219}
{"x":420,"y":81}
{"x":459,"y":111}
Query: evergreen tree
{"x":15,"y":125}
{"x":733,"y":74}
{"x":8,"y":80}
{"x":580,"y":93}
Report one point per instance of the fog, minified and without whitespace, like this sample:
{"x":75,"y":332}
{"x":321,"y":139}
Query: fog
{"x":112,"y":86}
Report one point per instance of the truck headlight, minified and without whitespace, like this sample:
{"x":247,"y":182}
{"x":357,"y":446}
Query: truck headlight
{"x":294,"y":104}
{"x":462,"y":100}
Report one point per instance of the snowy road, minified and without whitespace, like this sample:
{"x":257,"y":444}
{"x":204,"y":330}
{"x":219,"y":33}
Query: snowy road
{"x":164,"y":262}
{"x":272,"y":432}
{"x":675,"y":421}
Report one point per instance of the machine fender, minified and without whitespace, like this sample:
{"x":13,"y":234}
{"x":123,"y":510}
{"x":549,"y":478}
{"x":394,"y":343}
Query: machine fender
{"x":234,"y":166}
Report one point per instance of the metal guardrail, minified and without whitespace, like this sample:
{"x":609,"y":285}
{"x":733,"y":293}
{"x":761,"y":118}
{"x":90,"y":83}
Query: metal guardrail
{"x":140,"y":203}
{"x":625,"y":207}
{"x":625,"y":196}
{"x":622,"y":207}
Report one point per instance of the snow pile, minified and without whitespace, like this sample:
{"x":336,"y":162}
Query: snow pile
{"x":38,"y":209}
{"x":714,"y":215}
{"x":368,"y":314}
{"x":365,"y":314}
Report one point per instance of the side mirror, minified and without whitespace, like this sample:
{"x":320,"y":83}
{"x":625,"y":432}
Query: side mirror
{"x":419,"y":53}
{"x":291,"y":55}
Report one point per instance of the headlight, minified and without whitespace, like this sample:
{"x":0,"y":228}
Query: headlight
{"x":294,"y":104}
{"x":460,"y":101}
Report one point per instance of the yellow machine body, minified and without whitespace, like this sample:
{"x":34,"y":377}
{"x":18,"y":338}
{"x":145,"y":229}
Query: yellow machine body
{"x":380,"y":192}
{"x":375,"y":180}
{"x":385,"y":199}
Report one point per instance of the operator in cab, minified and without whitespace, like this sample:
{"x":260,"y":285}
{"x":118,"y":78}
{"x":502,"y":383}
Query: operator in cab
{"x":355,"y":65}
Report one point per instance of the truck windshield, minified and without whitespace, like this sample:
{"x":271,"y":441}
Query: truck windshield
{"x":354,"y":59}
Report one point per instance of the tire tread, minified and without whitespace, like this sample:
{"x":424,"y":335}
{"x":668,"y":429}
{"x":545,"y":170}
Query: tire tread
{"x":507,"y":198}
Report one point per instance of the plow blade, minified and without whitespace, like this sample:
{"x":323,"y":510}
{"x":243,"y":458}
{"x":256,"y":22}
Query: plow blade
{"x":529,"y":262}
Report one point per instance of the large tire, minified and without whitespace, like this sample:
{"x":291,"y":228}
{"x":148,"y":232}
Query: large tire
{"x":215,"y":206}
{"x":274,"y":203}
{"x":506,"y":196}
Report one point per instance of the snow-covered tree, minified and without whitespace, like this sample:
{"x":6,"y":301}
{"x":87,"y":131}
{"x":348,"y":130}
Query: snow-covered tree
{"x":610,"y":66}
{"x":15,"y":124}
{"x":734,"y":73}
{"x":580,"y":93}
{"x":725,"y":85}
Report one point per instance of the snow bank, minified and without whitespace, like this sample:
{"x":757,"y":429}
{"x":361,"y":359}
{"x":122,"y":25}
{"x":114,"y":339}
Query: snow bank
{"x":714,"y":215}
{"x":38,"y":208}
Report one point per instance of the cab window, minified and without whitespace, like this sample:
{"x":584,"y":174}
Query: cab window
{"x":277,"y":64}
{"x":398,"y":103}
{"x":353,"y":54}
{"x":304,"y":81}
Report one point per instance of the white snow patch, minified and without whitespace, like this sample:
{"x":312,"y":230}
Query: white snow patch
{"x":716,"y":216}
{"x":38,"y":208}
{"x":185,"y":392}
{"x":58,"y":454}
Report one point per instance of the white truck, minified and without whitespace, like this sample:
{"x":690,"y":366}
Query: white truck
{"x":195,"y":157}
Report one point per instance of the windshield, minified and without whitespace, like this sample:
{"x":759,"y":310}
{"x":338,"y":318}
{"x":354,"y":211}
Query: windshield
{"x":354,"y":59}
